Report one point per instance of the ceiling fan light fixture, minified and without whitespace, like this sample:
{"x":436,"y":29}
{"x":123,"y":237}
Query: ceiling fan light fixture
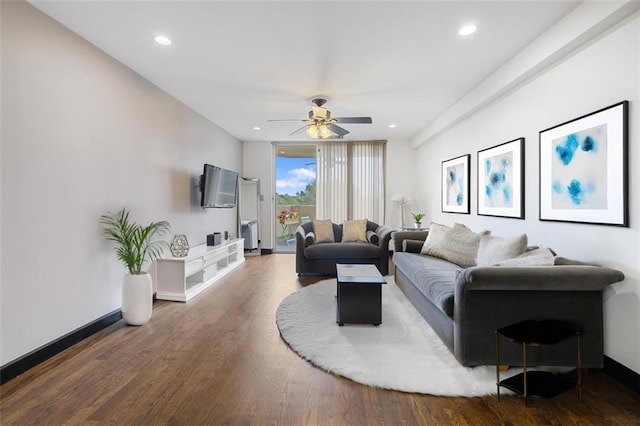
{"x":313,"y":131}
{"x":325,"y":132}
{"x":319,"y":112}
{"x":321,"y":124}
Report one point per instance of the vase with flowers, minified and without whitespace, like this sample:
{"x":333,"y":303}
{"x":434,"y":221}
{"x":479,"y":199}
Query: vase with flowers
{"x":288,"y":216}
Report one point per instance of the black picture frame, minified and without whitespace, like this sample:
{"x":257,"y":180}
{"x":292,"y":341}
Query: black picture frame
{"x":584,"y":168}
{"x":501,"y":175}
{"x":456,"y":181}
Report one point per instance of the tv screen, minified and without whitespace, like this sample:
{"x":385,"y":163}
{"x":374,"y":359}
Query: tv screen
{"x":219,"y":187}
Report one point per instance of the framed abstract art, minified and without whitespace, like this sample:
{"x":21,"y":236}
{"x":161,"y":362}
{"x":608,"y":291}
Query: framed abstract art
{"x":501,"y":180}
{"x":455,"y":185}
{"x":584,"y":169}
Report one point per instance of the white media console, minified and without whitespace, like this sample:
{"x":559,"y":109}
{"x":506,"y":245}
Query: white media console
{"x":182,"y":278}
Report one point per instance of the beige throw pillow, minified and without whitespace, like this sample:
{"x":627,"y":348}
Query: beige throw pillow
{"x":492,"y":250}
{"x":323,"y":230}
{"x":457,"y":245}
{"x":354,"y":230}
{"x":436,"y":238}
{"x":537,"y":257}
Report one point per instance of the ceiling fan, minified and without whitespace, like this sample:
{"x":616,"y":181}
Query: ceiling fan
{"x":320,"y":124}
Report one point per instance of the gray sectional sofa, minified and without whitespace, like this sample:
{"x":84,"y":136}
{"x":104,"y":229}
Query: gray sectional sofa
{"x":321,"y":258}
{"x":465,"y":305}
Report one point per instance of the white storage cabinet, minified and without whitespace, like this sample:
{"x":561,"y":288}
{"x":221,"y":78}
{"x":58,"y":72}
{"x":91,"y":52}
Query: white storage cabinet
{"x":182,"y":278}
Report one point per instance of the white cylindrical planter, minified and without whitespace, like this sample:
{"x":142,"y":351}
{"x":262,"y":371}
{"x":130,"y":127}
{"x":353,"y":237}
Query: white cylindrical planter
{"x":137,"y":299}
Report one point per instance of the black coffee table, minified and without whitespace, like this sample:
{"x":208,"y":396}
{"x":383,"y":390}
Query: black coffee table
{"x":359,"y":298}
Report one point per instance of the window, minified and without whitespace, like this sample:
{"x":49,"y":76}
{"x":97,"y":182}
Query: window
{"x":350,"y":180}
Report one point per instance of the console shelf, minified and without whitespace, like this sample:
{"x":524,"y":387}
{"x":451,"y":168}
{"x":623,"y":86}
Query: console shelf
{"x":182,"y":278}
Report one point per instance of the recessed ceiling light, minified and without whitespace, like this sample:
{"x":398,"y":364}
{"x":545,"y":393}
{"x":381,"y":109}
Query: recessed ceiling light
{"x":392,"y":126}
{"x":162,"y":40}
{"x":256,"y":128}
{"x":467,"y":30}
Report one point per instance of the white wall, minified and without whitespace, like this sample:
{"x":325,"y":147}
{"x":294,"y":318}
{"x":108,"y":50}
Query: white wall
{"x":600,"y":74}
{"x":83,"y":135}
{"x":401,"y":174}
{"x":258,"y":162}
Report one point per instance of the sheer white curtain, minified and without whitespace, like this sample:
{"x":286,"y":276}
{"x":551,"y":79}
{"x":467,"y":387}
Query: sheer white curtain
{"x":367,"y":181}
{"x":332,"y":181}
{"x":350,"y":181}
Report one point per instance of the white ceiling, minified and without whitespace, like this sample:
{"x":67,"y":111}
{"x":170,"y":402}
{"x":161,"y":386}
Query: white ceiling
{"x":240,"y":63}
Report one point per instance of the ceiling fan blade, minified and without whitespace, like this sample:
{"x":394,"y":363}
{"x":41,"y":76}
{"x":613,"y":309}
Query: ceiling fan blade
{"x":338,"y":130}
{"x":354,"y":120}
{"x":288,"y":119}
{"x":299,"y":130}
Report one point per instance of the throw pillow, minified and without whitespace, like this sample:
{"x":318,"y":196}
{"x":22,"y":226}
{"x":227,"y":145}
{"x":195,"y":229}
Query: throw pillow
{"x":309,"y":239}
{"x":372,"y":237}
{"x":436,"y":238}
{"x":354,"y":230}
{"x":457,"y":245}
{"x":492,"y":250}
{"x":537,"y":257}
{"x":323,"y":230}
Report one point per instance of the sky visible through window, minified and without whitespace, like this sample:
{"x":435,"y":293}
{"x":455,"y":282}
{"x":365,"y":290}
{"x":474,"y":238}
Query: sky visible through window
{"x":294,"y":174}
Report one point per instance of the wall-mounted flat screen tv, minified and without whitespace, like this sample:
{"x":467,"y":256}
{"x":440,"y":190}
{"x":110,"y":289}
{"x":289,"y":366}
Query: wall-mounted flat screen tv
{"x":219,"y":187}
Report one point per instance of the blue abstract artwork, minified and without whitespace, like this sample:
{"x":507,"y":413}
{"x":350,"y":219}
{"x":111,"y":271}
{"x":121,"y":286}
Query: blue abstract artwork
{"x":498,"y":180}
{"x":455,"y":185}
{"x":579,"y":170}
{"x":584,"y":168}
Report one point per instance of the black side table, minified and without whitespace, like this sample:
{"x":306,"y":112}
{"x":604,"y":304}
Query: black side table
{"x":536,"y":332}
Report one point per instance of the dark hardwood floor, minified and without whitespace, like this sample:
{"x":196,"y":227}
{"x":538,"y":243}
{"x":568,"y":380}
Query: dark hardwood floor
{"x":219,"y":359}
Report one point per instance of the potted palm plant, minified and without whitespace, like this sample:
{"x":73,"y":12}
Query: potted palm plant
{"x":417,"y":219}
{"x":135,"y":245}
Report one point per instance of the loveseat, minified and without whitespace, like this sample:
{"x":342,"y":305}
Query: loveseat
{"x":466,"y":304}
{"x":320,"y":258}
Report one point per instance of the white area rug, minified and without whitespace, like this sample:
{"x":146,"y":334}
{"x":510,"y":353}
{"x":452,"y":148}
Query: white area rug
{"x":403,"y":353}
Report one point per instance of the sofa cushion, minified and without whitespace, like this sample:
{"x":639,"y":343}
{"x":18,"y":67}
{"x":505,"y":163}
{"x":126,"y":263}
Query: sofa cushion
{"x":435,"y":278}
{"x":458,"y":245}
{"x":560,"y":260}
{"x":492,"y":250}
{"x":353,"y":250}
{"x":354,"y":230}
{"x":324,"y":231}
{"x":412,"y":246}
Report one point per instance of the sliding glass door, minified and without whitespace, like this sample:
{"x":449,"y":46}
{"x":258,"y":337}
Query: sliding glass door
{"x":295,"y":192}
